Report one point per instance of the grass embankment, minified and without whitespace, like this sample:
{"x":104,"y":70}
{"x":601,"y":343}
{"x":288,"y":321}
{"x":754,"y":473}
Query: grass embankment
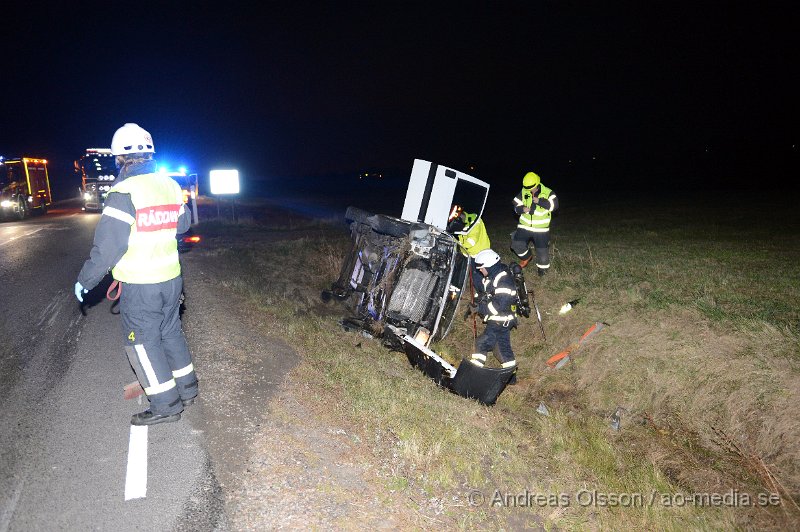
{"x":701,"y":356}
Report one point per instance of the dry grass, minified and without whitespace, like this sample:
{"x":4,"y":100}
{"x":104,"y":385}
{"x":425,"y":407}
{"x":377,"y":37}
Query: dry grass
{"x":700,"y":369}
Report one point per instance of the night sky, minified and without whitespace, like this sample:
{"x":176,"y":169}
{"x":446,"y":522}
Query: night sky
{"x":588,"y":94}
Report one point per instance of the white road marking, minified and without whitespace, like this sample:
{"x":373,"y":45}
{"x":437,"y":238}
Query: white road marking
{"x":8,"y":512}
{"x":13,"y":238}
{"x":136,"y":475}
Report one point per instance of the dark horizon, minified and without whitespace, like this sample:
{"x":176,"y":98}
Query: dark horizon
{"x":628,"y":96}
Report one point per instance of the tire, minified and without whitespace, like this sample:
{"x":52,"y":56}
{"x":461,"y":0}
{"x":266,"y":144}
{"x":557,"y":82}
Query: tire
{"x":22,"y":209}
{"x":380,"y":223}
{"x":388,"y":225}
{"x":43,"y":209}
{"x":354,"y":214}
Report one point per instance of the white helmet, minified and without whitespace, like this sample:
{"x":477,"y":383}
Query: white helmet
{"x":486,"y":259}
{"x":130,"y":138}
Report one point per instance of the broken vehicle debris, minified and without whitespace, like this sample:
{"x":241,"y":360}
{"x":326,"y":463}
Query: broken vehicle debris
{"x":403,"y":277}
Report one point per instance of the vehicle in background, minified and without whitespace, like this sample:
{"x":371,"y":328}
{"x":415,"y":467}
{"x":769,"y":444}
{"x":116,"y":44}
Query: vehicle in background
{"x":187,"y":240}
{"x":370,"y":173}
{"x":188,"y":184}
{"x":98,"y":172}
{"x":24,"y":187}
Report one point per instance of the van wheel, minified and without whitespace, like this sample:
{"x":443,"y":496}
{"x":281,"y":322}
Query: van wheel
{"x":354,"y":214}
{"x":388,"y":225}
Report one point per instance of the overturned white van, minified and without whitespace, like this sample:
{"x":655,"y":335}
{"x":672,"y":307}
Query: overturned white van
{"x":403,"y":277}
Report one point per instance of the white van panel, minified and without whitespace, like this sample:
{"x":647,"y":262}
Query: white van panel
{"x":430,"y":192}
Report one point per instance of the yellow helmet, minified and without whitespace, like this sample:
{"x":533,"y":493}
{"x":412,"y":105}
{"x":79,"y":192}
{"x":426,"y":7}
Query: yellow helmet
{"x":531,"y":180}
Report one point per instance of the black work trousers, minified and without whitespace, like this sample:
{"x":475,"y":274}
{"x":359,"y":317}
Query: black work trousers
{"x":497,"y":339}
{"x":521,"y":239}
{"x":155,"y":344}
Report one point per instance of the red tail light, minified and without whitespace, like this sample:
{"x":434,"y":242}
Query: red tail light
{"x":192,"y":239}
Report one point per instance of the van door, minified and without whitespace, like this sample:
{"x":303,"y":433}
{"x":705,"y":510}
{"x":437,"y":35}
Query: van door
{"x":433,"y":189}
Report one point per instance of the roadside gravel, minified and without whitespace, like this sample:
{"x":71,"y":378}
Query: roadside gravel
{"x":278,"y":466}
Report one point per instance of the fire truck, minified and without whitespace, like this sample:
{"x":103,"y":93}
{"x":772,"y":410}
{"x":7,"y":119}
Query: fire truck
{"x":97,"y":172}
{"x":24,"y":187}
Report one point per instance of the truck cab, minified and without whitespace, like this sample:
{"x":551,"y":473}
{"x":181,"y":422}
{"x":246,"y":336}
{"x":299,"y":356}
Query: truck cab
{"x":24,"y":187}
{"x":97,"y":172}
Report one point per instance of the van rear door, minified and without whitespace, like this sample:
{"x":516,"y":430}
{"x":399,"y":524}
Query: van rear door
{"x":433,"y":189}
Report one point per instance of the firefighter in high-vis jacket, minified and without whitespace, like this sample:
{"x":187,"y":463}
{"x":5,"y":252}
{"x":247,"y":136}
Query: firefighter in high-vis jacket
{"x":496,"y":308}
{"x":535,"y":204}
{"x":136,"y":239}
{"x":472,"y":238}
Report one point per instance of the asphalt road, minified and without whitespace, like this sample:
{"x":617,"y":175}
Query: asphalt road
{"x":64,"y":425}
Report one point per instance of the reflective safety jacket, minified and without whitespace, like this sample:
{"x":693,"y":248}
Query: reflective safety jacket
{"x":476,"y":239}
{"x":152,"y":255}
{"x":501,"y":296}
{"x":538,"y":219}
{"x":136,"y":234}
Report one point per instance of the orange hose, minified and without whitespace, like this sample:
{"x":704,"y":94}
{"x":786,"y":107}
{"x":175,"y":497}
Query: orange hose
{"x":116,"y":284}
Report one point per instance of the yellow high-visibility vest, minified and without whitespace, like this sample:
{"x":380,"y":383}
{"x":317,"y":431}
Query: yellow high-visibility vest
{"x":152,"y":255}
{"x":538,"y":219}
{"x":476,"y":240}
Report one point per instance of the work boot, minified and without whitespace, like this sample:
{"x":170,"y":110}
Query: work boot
{"x":149,"y":418}
{"x":513,"y":380}
{"x":524,"y":262}
{"x":188,"y":402}
{"x":540,"y":272}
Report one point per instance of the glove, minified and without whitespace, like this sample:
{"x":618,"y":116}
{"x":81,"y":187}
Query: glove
{"x":79,"y":291}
